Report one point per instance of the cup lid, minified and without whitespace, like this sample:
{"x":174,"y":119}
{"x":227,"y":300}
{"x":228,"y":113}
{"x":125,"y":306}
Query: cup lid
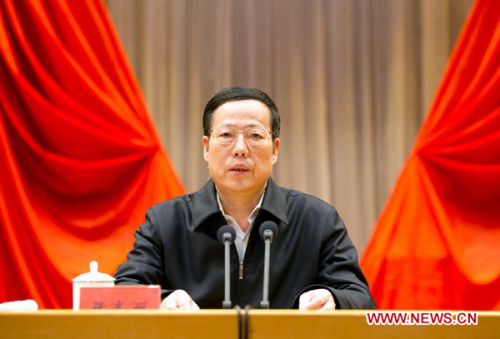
{"x":93,"y":275}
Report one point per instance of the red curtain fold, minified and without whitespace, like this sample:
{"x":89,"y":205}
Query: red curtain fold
{"x":436,"y":244}
{"x":80,"y":160}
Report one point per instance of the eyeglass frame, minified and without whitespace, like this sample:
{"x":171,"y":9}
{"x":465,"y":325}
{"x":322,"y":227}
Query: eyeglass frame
{"x":210,"y":134}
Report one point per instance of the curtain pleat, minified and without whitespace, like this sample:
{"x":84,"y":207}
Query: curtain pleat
{"x":80,"y":158}
{"x":436,"y":243}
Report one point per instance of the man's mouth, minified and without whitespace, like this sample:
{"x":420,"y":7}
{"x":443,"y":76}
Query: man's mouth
{"x":239,"y":168}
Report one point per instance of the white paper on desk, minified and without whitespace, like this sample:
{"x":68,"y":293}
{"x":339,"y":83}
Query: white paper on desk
{"x":20,"y":305}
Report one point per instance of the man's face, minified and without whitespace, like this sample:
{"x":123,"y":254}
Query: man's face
{"x":242,"y":166}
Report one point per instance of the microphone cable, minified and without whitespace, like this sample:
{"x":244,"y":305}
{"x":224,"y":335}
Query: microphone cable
{"x":238,"y":311}
{"x":247,"y":321}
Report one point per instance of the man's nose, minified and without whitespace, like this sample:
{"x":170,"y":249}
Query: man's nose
{"x":240,"y":147}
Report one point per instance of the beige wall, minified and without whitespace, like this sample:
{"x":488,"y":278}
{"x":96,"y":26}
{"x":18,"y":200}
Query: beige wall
{"x":353,"y":80}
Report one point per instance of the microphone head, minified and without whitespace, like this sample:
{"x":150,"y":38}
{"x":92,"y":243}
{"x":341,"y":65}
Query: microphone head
{"x":268,"y":226}
{"x":226,"y":232}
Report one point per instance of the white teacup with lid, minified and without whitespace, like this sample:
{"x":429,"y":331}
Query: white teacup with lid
{"x":90,"y":279}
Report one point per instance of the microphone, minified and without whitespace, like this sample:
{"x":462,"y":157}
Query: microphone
{"x":226,"y":235}
{"x":268,"y":231}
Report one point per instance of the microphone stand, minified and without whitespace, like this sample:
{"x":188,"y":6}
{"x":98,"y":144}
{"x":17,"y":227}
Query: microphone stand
{"x":268,"y":236}
{"x":226,"y":235}
{"x":226,"y":303}
{"x":268,"y":231}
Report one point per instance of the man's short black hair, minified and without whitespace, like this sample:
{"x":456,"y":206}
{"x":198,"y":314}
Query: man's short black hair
{"x":236,"y":93}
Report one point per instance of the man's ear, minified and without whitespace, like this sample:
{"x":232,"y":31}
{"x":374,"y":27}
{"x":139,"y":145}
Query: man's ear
{"x":204,"y":140}
{"x":276,"y":145}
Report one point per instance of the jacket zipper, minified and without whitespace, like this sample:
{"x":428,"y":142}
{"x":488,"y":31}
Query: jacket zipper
{"x":240,"y":281}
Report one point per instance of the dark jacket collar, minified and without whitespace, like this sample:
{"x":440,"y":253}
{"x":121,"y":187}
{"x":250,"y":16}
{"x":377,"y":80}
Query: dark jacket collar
{"x":275,"y":201}
{"x":205,"y":202}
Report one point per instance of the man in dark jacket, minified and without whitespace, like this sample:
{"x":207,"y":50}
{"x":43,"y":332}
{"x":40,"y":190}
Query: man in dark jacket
{"x":314,"y":264}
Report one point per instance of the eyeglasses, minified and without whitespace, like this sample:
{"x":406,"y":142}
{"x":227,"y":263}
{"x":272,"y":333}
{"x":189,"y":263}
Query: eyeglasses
{"x":254,"y":136}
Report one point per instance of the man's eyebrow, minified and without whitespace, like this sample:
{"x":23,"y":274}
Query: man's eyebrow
{"x":244,"y":126}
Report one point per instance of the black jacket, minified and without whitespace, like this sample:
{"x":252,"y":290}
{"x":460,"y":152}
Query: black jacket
{"x":177,"y":248}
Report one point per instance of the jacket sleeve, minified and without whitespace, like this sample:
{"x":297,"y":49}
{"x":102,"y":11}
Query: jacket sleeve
{"x":339,"y":270}
{"x":144,"y":265}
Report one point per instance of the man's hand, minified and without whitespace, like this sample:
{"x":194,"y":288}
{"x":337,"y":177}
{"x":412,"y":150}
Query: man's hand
{"x":320,"y":299}
{"x":179,"y":300}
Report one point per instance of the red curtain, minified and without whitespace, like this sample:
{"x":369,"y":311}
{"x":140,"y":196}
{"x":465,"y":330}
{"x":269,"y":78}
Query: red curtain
{"x":80,"y":161}
{"x":436,"y":244}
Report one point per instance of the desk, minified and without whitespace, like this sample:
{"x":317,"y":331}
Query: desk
{"x":289,"y":324}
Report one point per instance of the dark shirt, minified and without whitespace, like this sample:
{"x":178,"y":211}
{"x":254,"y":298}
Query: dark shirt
{"x":177,"y":248}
